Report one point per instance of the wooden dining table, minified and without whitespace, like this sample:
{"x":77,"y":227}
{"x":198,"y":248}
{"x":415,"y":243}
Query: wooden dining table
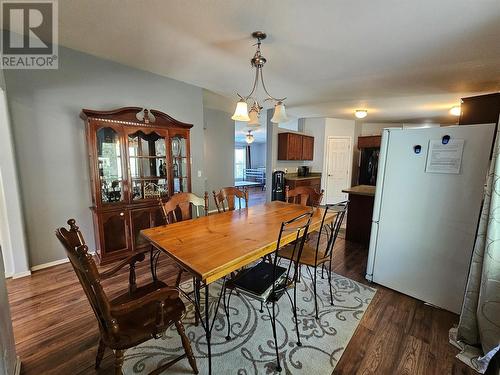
{"x":214,"y":246}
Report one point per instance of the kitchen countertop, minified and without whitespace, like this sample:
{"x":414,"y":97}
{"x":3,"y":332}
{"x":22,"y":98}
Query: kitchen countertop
{"x":294,"y":176}
{"x":367,"y":190}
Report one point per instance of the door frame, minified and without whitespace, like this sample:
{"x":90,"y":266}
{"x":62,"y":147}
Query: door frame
{"x":349,"y":170}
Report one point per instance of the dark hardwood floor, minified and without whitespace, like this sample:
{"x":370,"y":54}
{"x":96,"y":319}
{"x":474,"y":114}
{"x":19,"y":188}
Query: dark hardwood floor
{"x":256,"y":196}
{"x":56,"y":331}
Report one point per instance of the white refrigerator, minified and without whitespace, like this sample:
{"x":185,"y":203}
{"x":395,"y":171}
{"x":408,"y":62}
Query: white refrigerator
{"x":428,"y":199}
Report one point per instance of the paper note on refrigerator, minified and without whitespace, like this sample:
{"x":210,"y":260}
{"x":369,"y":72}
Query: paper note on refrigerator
{"x":445,"y":158}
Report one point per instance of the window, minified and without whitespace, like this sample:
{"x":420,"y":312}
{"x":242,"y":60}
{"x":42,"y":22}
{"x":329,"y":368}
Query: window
{"x":239,"y":163}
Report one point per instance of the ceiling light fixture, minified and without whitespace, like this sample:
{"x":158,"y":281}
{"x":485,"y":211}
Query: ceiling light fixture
{"x":360,"y":113}
{"x":241,"y":113}
{"x":249,"y":137}
{"x":455,"y":110}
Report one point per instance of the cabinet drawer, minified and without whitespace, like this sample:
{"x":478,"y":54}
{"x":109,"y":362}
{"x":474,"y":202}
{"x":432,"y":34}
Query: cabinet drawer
{"x":306,"y":182}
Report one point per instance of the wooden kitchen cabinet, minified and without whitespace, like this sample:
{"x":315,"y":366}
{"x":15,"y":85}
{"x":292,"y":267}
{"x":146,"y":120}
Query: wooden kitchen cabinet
{"x":307,"y":148}
{"x":369,"y":141}
{"x":482,"y":109}
{"x":293,"y":146}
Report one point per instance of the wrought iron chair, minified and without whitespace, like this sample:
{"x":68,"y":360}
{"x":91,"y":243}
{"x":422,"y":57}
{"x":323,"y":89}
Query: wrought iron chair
{"x":267,"y":282}
{"x":304,"y":195}
{"x":322,"y":253}
{"x":132,"y":318}
{"x":228,"y":195}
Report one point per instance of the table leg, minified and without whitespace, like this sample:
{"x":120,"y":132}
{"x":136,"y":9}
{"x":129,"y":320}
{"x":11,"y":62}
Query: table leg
{"x":208,"y":330}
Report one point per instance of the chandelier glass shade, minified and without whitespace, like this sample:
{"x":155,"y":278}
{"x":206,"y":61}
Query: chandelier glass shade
{"x":241,"y":113}
{"x":254,"y":117}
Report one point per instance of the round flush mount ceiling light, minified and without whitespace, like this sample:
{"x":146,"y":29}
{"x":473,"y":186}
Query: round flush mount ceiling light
{"x":455,"y":110}
{"x":249,"y":137}
{"x":361,"y":113}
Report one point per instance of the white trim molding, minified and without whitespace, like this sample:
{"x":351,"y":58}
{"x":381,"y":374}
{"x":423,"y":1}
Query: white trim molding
{"x":49,"y":264}
{"x":21,"y":274}
{"x":17,"y":369}
{"x":42,"y":266}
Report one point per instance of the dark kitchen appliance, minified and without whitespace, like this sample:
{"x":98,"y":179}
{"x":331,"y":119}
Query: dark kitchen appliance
{"x":303,"y":171}
{"x":368,"y":166}
{"x":278,"y":188}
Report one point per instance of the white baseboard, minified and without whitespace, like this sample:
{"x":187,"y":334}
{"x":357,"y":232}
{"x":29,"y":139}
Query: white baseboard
{"x":21,"y":274}
{"x":49,"y":264}
{"x":54,"y":263}
{"x":7,"y":275}
{"x":17,"y":370}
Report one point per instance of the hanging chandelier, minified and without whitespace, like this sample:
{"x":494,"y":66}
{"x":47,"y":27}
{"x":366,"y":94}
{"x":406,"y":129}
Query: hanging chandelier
{"x":241,"y":113}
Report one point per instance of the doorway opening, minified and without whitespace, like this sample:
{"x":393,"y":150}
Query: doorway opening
{"x":250,"y":147}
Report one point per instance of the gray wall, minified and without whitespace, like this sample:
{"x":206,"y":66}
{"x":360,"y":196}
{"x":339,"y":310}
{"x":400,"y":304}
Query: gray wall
{"x":258,"y":154}
{"x":50,"y":141}
{"x":7,"y":346}
{"x":219,"y":150}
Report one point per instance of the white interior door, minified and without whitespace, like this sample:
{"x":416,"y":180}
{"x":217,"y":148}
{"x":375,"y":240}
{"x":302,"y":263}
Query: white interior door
{"x":338,"y":168}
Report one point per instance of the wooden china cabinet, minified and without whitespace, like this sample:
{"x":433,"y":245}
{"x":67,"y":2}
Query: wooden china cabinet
{"x":136,"y":156}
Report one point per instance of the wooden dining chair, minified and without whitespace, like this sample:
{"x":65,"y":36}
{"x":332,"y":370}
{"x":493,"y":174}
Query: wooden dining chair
{"x":320,"y":254}
{"x":227,"y":197}
{"x":267,"y":282}
{"x":181,"y":206}
{"x":304,"y":195}
{"x":132,"y":318}
{"x":184,"y":206}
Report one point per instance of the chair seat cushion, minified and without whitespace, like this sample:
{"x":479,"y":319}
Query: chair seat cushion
{"x":139,"y":324}
{"x":257,"y":281}
{"x":307,"y":257}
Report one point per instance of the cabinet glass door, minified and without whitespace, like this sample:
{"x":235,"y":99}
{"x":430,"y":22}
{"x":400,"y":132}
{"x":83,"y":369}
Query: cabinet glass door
{"x":148,"y":165}
{"x":109,"y":161}
{"x":180,"y":168}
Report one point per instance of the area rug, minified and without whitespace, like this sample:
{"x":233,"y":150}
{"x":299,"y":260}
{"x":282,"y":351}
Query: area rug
{"x":251,"y":349}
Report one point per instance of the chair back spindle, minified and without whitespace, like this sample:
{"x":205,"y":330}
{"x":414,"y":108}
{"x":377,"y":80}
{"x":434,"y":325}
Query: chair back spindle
{"x":184,"y":206}
{"x":303,"y":195}
{"x":227,"y":197}
{"x":87,"y":273}
{"x":330,"y":230}
{"x":300,"y":226}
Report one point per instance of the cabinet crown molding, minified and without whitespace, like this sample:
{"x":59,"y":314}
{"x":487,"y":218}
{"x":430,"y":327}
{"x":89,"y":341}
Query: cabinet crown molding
{"x":135,"y":116}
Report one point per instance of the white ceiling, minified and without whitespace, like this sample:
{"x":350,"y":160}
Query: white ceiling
{"x":241,"y":130}
{"x":400,"y":59}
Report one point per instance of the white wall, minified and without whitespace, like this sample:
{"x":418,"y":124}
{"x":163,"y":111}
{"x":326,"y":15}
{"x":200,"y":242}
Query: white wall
{"x":375,"y":128}
{"x":49,"y":136}
{"x":12,"y":236}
